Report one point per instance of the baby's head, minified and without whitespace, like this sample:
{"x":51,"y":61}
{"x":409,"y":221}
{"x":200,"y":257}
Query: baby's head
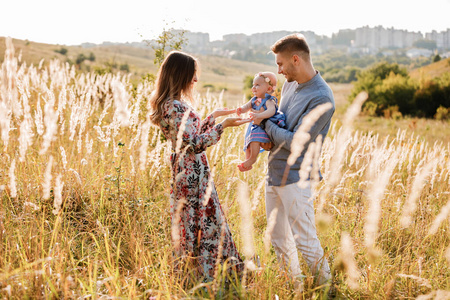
{"x":264,"y":82}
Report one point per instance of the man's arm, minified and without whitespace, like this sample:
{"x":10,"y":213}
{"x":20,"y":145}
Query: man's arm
{"x":281,"y":136}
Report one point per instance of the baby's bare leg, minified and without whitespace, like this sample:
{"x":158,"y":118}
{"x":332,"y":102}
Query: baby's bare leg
{"x":248,"y":152}
{"x":254,"y":151}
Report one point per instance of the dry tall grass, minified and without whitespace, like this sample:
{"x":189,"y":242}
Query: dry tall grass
{"x":84,"y":193}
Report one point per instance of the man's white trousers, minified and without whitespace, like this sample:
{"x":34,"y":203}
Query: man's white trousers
{"x":295,"y":228}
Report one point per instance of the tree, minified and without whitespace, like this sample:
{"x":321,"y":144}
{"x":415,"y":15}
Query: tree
{"x":392,"y":91}
{"x":426,"y":44}
{"x":80,"y":58}
{"x":248,"y":84}
{"x":371,"y":80}
{"x":384,"y":69}
{"x":124,"y":67}
{"x":436,"y":58}
{"x":91,"y":57}
{"x":169,"y":39}
{"x":396,"y":91}
{"x":62,"y":51}
{"x":373,"y":76}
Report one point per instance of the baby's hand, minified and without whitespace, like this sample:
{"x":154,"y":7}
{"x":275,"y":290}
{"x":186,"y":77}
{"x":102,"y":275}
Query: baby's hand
{"x":255,"y":118}
{"x":253,"y":115}
{"x":239,"y":111}
{"x":223,"y":112}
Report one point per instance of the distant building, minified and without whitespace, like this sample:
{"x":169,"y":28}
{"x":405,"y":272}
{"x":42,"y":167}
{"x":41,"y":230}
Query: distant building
{"x":343,"y":37}
{"x":379,"y":37}
{"x":442,"y":38}
{"x":269,"y":38}
{"x":198,"y":39}
{"x":364,"y":40}
{"x":417,"y":52}
{"x":195,"y":39}
{"x":88,"y":45}
{"x":238,"y":38}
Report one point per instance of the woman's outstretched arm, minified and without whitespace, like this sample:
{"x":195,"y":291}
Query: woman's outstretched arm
{"x":210,"y":120}
{"x":187,"y":135}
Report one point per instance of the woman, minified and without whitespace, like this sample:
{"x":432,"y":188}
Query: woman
{"x":199,"y":228}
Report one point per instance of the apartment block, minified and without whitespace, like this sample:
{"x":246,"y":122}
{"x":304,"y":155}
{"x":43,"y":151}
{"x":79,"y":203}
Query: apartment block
{"x":442,"y":38}
{"x":379,"y":37}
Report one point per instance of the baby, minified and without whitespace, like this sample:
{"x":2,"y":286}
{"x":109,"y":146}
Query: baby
{"x":264,"y":85}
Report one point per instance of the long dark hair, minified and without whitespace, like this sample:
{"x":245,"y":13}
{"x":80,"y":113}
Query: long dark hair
{"x":174,"y":81}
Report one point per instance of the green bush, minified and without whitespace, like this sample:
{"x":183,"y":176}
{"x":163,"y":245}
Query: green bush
{"x":372,"y":77}
{"x":393,"y":94}
{"x":345,"y":75}
{"x":370,"y":109}
{"x":148,"y":78}
{"x":428,"y":98}
{"x":248,"y":83}
{"x":384,"y":69}
{"x":366,"y":82}
{"x":100,"y":70}
{"x":124,"y":67}
{"x":396,"y":90}
{"x":392,"y":112}
{"x":80,"y":58}
{"x":62,"y":51}
{"x":442,"y":113}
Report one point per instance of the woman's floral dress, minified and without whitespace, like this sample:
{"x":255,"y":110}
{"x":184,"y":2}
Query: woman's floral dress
{"x":199,"y":227}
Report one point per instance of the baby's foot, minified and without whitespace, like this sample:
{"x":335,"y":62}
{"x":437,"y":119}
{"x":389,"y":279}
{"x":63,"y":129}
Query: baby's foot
{"x":243,"y":168}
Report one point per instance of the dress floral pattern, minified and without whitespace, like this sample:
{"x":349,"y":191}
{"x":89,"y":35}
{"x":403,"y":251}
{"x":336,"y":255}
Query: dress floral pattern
{"x":198,"y":222}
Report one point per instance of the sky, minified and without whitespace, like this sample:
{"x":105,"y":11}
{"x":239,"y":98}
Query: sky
{"x":70,"y":22}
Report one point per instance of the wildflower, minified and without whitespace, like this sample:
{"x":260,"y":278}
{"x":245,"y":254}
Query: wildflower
{"x":57,"y":204}
{"x":31,"y":204}
{"x":63,"y":156}
{"x":46,"y":186}
{"x":410,"y":205}
{"x":347,"y":258}
{"x":12,"y":179}
{"x":246,"y":221}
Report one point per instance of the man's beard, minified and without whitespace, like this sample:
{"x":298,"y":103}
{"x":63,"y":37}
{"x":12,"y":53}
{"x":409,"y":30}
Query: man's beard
{"x":289,"y":79}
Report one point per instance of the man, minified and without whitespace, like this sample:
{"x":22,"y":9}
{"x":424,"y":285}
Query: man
{"x":303,"y":90}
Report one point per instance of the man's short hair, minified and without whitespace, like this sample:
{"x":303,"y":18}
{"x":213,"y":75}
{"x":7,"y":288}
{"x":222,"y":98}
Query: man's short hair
{"x":291,"y":43}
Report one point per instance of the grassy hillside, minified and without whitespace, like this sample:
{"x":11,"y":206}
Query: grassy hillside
{"x":217,"y":73}
{"x":432,"y":70}
{"x":139,"y":60}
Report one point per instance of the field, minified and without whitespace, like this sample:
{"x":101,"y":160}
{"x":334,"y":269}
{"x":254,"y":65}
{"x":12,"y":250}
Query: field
{"x":84,"y":198}
{"x":428,"y":130}
{"x":217,"y":73}
{"x":433,"y":70}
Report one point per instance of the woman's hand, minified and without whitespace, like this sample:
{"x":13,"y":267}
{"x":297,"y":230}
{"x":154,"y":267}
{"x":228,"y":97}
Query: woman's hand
{"x":222,"y":112}
{"x":232,"y":122}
